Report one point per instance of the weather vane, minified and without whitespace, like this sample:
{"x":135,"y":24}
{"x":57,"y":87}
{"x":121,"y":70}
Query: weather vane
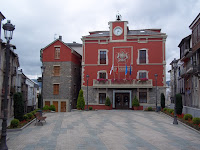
{"x":118,"y":16}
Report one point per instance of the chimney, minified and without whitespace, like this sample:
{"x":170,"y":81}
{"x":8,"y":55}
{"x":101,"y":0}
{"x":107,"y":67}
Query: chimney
{"x":60,"y":37}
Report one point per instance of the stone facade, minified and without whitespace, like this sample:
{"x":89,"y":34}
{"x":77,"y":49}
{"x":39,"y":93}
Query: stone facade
{"x":69,"y":82}
{"x":93,"y":95}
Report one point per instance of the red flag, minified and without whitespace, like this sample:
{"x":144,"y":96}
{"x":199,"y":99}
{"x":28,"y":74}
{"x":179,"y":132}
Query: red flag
{"x":117,"y":71}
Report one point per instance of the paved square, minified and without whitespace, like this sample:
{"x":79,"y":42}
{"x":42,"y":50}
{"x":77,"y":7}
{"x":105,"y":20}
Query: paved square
{"x":105,"y":130}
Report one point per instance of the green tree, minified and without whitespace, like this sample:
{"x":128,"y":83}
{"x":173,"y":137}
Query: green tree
{"x":179,"y":104}
{"x":107,"y":103}
{"x":18,"y":106}
{"x":135,"y":102}
{"x":162,"y":100}
{"x":80,"y":101}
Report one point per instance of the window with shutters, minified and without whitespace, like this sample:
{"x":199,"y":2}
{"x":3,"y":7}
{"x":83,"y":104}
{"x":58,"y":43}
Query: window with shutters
{"x":56,"y":70}
{"x":56,"y":89}
{"x":57,"y":52}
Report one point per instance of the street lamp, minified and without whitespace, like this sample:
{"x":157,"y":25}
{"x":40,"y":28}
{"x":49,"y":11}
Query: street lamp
{"x":8,"y":32}
{"x":174,"y":65}
{"x":156,"y":75}
{"x":87,"y":77}
{"x":42,"y":69}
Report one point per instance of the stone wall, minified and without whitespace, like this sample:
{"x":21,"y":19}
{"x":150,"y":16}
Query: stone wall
{"x":69,"y":82}
{"x":93,"y":95}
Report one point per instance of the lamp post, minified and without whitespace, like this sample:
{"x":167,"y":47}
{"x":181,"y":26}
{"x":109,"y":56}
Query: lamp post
{"x":42,"y":69}
{"x":87,"y":77}
{"x":174,"y":65}
{"x":8,"y":32}
{"x":156,"y":75}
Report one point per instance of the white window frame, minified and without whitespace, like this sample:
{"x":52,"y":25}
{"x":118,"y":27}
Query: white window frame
{"x":102,"y":71}
{"x":138,"y":73}
{"x":147,"y":56}
{"x":99,"y":56}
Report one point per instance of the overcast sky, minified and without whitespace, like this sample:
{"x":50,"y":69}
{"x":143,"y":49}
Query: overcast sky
{"x":37,"y":22}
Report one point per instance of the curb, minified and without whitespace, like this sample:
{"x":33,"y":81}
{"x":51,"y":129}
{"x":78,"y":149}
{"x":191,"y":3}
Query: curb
{"x":181,"y":123}
{"x":19,"y":129}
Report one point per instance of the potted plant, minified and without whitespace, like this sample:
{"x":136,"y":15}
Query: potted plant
{"x":108,"y":105}
{"x":135,"y":103}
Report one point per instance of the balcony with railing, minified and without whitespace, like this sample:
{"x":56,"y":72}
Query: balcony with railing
{"x":122,"y":83}
{"x":196,"y":69}
{"x":189,"y":68}
{"x":182,"y":71}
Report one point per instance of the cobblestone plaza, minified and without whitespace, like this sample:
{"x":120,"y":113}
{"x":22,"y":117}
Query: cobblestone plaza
{"x":105,"y":130}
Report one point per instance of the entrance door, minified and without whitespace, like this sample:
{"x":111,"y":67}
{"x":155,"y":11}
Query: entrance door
{"x":55,"y":103}
{"x":122,"y":100}
{"x":63,"y":107}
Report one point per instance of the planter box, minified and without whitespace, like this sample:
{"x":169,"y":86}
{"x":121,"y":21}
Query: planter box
{"x":137,"y":107}
{"x":99,"y":107}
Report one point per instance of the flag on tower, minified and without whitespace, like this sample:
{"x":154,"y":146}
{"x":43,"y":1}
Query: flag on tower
{"x":130,"y":69}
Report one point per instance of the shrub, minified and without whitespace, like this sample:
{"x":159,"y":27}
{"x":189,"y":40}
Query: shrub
{"x":165,"y":109}
{"x":162,"y":100}
{"x":135,"y":102}
{"x":179,"y":104}
{"x":187,"y":117}
{"x":196,"y":121}
{"x":30,"y":115}
{"x":170,"y":110}
{"x":33,"y":112}
{"x":14,"y":123}
{"x":46,"y":107}
{"x":90,"y":108}
{"x":25,"y":117}
{"x":107,"y":103}
{"x":52,"y":107}
{"x":149,"y":109}
{"x":18,"y":106}
{"x":80,"y":101}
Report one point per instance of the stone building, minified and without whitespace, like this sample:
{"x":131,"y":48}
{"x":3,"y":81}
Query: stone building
{"x":123,"y":65}
{"x":14,"y":64}
{"x":62,"y":74}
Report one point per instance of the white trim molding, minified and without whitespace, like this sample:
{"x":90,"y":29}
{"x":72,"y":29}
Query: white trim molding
{"x":99,"y":50}
{"x":123,"y":91}
{"x":138,"y":73}
{"x":147,"y":56}
{"x":102,"y":71}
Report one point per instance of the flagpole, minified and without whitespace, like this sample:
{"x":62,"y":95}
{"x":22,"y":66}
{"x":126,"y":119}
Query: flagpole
{"x":114,"y":72}
{"x":125,"y":72}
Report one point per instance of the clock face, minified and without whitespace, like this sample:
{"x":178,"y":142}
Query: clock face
{"x":118,"y":31}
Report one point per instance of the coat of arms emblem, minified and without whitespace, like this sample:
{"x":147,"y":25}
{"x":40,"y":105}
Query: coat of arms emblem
{"x":122,"y":56}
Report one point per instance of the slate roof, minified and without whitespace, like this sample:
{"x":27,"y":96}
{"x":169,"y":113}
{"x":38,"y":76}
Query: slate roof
{"x":130,"y":32}
{"x":74,"y":44}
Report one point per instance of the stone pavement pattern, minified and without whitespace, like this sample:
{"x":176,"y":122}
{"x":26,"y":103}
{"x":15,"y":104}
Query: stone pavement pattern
{"x":105,"y":130}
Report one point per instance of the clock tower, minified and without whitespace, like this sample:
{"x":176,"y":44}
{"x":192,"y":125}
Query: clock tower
{"x":118,"y":29}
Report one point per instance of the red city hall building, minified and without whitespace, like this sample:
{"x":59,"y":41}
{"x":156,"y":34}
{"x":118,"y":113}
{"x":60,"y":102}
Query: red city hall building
{"x":122,"y":64}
